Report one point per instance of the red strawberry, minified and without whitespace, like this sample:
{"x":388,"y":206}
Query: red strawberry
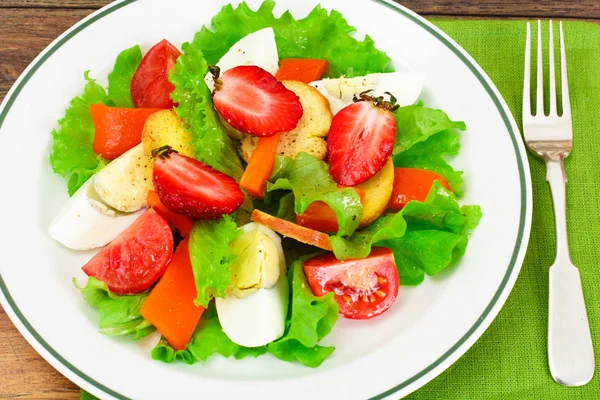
{"x":252,"y":100}
{"x":187,"y":186}
{"x":361,"y":140}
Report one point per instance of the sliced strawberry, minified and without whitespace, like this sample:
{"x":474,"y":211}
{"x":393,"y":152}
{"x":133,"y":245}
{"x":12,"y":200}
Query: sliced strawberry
{"x":187,"y":186}
{"x":251,"y":100}
{"x":360,"y":140}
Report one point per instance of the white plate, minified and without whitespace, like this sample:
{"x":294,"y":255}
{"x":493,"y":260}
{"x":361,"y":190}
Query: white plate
{"x":428,"y":328}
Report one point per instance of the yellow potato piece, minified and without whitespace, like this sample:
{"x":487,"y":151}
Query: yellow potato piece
{"x":312,"y":128}
{"x":378,"y":191}
{"x":165,"y":128}
{"x":124,"y":183}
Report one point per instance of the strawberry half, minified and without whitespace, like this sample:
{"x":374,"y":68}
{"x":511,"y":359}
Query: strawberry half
{"x":361,"y":139}
{"x":187,"y":186}
{"x":251,"y":100}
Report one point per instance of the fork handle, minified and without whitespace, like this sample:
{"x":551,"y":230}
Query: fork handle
{"x":570,"y":350}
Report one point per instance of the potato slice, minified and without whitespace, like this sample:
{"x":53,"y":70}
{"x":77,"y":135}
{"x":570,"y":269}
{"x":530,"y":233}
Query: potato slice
{"x":308,"y":135}
{"x":165,"y":128}
{"x":124,"y":183}
{"x":378,"y":191}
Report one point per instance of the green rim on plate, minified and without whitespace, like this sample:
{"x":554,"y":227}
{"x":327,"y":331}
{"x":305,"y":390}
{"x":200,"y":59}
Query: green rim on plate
{"x":392,"y":6}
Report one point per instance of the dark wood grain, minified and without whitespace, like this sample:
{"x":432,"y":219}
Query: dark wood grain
{"x":25,"y":33}
{"x":28,"y":26}
{"x":587,"y":9}
{"x":90,"y":4}
{"x":540,"y":8}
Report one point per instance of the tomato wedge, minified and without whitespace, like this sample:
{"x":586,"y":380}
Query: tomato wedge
{"x":117,"y":130}
{"x":363,"y":288}
{"x":412,"y":184}
{"x":136,"y":258}
{"x":150,"y":85}
{"x":170,"y":306}
{"x":305,"y":70}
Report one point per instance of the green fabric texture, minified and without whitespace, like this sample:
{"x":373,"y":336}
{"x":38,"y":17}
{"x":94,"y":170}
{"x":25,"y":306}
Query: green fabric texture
{"x":509,"y":361}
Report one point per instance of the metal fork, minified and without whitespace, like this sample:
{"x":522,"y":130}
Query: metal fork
{"x":570,"y":351}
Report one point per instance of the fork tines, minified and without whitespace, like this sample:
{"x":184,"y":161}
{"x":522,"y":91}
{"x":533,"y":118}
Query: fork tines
{"x":566,"y":105}
{"x":547,"y":133}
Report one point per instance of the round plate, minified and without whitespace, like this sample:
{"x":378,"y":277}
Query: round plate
{"x":428,"y":328}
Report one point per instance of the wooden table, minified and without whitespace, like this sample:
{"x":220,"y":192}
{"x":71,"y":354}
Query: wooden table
{"x":28,"y":26}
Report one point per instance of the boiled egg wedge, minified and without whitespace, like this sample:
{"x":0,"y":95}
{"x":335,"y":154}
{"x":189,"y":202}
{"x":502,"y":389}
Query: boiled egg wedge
{"x":85,"y":222}
{"x":257,"y":48}
{"x":405,"y":86}
{"x":254,"y":311}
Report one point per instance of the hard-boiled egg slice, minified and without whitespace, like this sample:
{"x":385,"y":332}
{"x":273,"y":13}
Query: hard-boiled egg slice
{"x":405,"y":86}
{"x":256,"y":265}
{"x":85,"y":222}
{"x":254,"y":312}
{"x":257,"y":48}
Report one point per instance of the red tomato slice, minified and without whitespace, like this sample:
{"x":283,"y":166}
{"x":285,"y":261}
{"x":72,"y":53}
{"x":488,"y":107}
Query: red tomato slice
{"x":136,"y":258}
{"x":117,"y":130}
{"x":412,"y":184}
{"x":363,"y":288}
{"x":150,"y":86}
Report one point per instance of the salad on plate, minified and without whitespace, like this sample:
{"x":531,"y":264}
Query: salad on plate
{"x":247,"y":190}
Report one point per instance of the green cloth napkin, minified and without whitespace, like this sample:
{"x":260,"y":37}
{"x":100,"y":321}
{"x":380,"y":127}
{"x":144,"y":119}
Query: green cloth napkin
{"x":509,"y":361}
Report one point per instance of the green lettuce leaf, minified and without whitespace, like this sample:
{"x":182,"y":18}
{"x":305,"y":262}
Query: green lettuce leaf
{"x":209,"y":339}
{"x":308,"y":178}
{"x":441,"y":211}
{"x":425,"y":237}
{"x":430,"y":154}
{"x":72,"y":155}
{"x":389,"y":226}
{"x":310,"y":319}
{"x":280,"y":205}
{"x":415,"y":124}
{"x":210,"y":140}
{"x":119,"y":315}
{"x":423,"y":137}
{"x":211,"y":258}
{"x":319,"y":35}
{"x":421,"y":252}
{"x":436,"y":235}
{"x":119,"y":80}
